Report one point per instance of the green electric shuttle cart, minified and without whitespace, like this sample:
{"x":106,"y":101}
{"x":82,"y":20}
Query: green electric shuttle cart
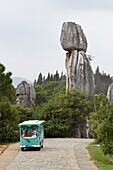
{"x":31,"y":134}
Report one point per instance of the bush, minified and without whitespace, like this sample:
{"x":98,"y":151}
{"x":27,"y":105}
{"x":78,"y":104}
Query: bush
{"x":9,"y":120}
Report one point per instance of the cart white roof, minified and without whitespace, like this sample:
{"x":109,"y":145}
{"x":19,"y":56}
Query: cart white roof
{"x":32,"y":122}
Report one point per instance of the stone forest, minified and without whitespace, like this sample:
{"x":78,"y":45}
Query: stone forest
{"x":79,"y":75}
{"x":79,"y":71}
{"x":76,"y":105}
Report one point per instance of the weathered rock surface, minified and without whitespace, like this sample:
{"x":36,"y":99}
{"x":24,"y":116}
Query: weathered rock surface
{"x":110,"y":99}
{"x":73,"y":37}
{"x":25,"y":94}
{"x":110,"y":93}
{"x":79,"y":72}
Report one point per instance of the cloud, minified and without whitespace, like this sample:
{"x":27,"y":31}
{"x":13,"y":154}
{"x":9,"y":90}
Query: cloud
{"x":30,"y":34}
{"x":83,"y":5}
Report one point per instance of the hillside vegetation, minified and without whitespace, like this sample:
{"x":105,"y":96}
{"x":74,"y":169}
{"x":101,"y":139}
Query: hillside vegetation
{"x":63,"y":113}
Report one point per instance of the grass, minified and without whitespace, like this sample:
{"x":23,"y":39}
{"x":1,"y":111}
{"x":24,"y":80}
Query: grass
{"x":101,"y":161}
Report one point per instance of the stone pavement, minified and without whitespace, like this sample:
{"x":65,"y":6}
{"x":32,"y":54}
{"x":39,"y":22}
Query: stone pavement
{"x":57,"y":154}
{"x":8,"y":155}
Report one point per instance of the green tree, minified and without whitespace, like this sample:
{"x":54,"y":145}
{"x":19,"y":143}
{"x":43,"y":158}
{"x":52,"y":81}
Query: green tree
{"x":8,"y":115}
{"x":52,"y":78}
{"x":25,"y":113}
{"x":35,"y":82}
{"x":65,"y":113}
{"x":102,"y":124}
{"x":48,"y":77}
{"x":102,"y":81}
{"x":63,"y":77}
{"x":56,"y":76}
{"x":41,"y":95}
{"x":6,"y":88}
{"x":48,"y":90}
{"x":40,"y":79}
{"x":9,"y":120}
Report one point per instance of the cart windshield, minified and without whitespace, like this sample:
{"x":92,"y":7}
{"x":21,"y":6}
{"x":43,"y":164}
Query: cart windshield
{"x":29,"y":131}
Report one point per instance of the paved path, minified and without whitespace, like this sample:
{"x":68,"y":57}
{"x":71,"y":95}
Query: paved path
{"x":57,"y":154}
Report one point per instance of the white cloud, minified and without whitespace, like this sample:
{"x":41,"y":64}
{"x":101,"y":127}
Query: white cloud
{"x":83,"y":5}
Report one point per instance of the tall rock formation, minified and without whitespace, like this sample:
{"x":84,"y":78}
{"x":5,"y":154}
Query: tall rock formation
{"x":25,"y":95}
{"x":110,"y":99}
{"x":73,"y":37}
{"x":79,"y":71}
{"x":110,"y":93}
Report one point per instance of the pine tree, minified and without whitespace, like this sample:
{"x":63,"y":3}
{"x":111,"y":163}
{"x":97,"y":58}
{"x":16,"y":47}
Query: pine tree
{"x":51,"y":78}
{"x":6,"y":88}
{"x":39,"y":79}
{"x":56,"y":76}
{"x":35,"y":83}
{"x":63,"y":77}
{"x":102,"y":81}
{"x":48,"y":77}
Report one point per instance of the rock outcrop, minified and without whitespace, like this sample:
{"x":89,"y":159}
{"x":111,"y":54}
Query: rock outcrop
{"x":25,"y":95}
{"x":110,"y":93}
{"x":110,"y":99}
{"x":73,"y":37}
{"x":79,"y":70}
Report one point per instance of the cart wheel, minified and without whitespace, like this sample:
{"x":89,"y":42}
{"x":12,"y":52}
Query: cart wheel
{"x":22,"y":149}
{"x":38,"y":148}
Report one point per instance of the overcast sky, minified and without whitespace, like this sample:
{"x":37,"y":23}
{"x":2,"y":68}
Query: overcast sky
{"x":30,"y":34}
